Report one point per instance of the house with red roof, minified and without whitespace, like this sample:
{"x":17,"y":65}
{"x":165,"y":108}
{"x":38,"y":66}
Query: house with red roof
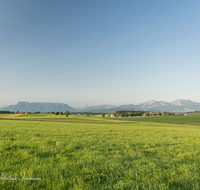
{"x":112,"y":115}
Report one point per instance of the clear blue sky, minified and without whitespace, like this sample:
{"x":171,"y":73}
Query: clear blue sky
{"x":99,"y":52}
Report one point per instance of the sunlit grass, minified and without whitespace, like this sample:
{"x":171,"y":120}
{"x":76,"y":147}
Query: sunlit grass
{"x":99,"y":156}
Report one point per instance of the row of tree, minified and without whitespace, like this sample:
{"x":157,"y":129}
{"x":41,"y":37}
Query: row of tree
{"x":67,"y":113}
{"x":129,"y":113}
{"x":126,"y":113}
{"x":61,"y":113}
{"x":6,"y":112}
{"x":172,"y":114}
{"x":36,"y":112}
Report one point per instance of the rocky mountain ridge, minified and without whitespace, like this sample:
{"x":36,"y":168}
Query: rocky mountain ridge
{"x":179,"y":105}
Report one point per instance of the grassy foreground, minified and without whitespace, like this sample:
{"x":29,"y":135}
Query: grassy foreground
{"x":79,"y":155}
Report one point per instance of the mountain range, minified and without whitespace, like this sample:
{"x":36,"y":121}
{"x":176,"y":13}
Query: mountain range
{"x":179,"y":105}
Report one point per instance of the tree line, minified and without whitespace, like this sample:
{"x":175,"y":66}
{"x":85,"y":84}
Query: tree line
{"x":6,"y":112}
{"x":129,"y":113}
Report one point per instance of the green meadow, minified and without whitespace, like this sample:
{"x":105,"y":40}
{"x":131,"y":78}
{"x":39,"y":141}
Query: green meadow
{"x":45,"y":151}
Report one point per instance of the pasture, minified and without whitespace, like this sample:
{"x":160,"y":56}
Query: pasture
{"x":81,"y":152}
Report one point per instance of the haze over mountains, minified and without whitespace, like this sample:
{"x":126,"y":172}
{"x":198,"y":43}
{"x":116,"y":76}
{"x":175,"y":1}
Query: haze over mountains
{"x":97,"y":107}
{"x":179,"y":105}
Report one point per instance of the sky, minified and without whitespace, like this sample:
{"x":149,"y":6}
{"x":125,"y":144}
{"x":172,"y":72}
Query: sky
{"x":99,"y":52}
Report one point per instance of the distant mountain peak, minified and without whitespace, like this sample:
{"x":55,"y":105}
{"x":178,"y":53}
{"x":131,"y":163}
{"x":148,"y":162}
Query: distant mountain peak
{"x":181,"y":102}
{"x":151,"y":101}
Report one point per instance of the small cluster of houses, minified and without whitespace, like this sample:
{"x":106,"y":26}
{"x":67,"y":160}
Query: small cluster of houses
{"x":121,"y":115}
{"x":151,"y":114}
{"x":23,"y":112}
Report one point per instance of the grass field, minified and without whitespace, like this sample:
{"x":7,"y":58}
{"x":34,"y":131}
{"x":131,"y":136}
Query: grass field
{"x":190,"y":119}
{"x":92,"y":152}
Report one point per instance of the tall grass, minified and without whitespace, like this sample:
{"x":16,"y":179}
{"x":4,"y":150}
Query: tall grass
{"x":99,"y":156}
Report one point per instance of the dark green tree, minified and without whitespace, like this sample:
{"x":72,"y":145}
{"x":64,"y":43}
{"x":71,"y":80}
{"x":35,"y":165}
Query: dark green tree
{"x":56,"y":113}
{"x":172,"y":114}
{"x":88,"y":114}
{"x":103,"y":114}
{"x":67,"y":113}
{"x":165,"y":113}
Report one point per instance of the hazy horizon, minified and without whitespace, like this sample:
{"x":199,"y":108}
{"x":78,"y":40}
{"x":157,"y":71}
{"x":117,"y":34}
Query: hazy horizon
{"x":74,"y":106}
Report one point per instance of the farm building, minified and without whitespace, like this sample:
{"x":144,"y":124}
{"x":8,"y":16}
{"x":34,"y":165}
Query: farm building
{"x":23,"y":112}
